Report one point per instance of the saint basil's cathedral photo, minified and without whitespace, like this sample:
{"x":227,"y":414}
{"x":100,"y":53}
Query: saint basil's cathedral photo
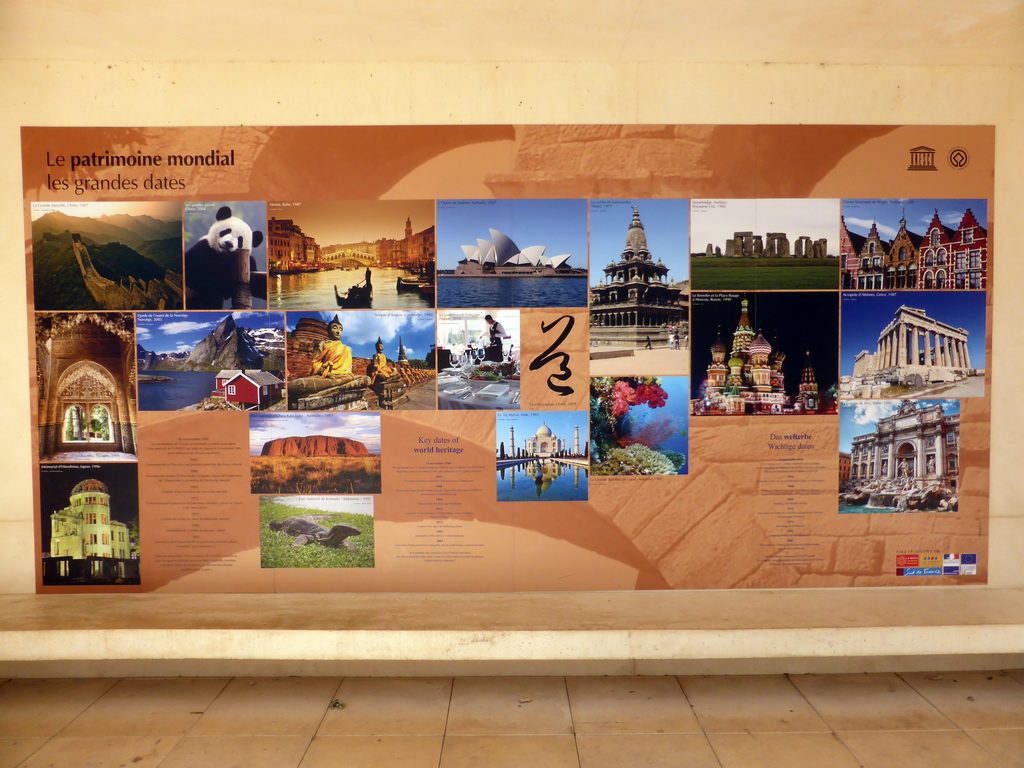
{"x":784,"y":367}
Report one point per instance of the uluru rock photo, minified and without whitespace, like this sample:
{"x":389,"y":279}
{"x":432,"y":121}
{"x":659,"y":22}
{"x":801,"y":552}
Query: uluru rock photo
{"x":314,"y":445}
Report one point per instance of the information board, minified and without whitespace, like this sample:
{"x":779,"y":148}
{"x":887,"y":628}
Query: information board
{"x":505,"y":358}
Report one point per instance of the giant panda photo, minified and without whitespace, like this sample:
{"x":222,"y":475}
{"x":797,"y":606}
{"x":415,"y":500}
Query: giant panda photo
{"x":215,"y":232}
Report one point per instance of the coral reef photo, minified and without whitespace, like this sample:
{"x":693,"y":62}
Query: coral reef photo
{"x":639,"y":425}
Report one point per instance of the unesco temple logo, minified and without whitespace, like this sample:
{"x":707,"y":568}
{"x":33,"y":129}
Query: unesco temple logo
{"x":922,"y":159}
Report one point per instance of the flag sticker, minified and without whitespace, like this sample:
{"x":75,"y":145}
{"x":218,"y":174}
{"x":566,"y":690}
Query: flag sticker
{"x":933,"y":564}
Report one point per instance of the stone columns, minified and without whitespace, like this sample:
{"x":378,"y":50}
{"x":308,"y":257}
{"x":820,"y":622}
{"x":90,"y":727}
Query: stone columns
{"x":915,"y":340}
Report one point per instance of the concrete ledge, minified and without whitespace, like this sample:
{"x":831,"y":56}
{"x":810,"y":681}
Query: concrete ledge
{"x":718,"y":632}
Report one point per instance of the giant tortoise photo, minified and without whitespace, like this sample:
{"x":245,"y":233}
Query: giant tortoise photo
{"x":306,"y":530}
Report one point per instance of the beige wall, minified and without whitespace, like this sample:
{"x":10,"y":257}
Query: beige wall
{"x":180,"y":93}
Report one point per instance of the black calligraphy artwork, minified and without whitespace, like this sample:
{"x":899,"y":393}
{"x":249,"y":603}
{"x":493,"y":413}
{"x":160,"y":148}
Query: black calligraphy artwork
{"x":551,"y":354}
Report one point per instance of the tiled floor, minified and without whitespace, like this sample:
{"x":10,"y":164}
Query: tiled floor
{"x":873,"y":720}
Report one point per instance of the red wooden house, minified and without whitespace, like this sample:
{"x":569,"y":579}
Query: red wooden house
{"x":222,"y":378}
{"x":250,"y":390}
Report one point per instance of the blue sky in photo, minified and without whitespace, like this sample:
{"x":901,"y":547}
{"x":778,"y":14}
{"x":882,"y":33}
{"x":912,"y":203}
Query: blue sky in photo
{"x":560,"y":225}
{"x":364,"y":427}
{"x":861,"y":418}
{"x":362,"y":327}
{"x":864,"y":316}
{"x":860,"y":213}
{"x":666,"y":224}
{"x":169,"y":332}
{"x":527,"y":423}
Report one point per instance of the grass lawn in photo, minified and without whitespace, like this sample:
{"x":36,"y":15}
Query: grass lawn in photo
{"x":277,"y":550}
{"x":316,"y":474}
{"x":719,"y":274}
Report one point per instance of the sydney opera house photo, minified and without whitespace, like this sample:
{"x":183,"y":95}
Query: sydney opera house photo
{"x":501,"y":256}
{"x":479,"y":263}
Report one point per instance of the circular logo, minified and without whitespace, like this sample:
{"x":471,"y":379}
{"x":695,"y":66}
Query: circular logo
{"x":958,"y":157}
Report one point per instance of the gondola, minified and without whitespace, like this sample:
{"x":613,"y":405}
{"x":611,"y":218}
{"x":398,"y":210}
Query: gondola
{"x":410,"y":284}
{"x":357,"y":297}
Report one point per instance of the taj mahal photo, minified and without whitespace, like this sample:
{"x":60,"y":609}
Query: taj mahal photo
{"x":542,"y":456}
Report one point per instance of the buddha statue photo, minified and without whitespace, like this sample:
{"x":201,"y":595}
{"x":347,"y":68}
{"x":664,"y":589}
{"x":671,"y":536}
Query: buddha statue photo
{"x":330,"y":385}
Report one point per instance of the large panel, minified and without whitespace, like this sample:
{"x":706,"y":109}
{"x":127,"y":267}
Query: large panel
{"x":655,"y":357}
